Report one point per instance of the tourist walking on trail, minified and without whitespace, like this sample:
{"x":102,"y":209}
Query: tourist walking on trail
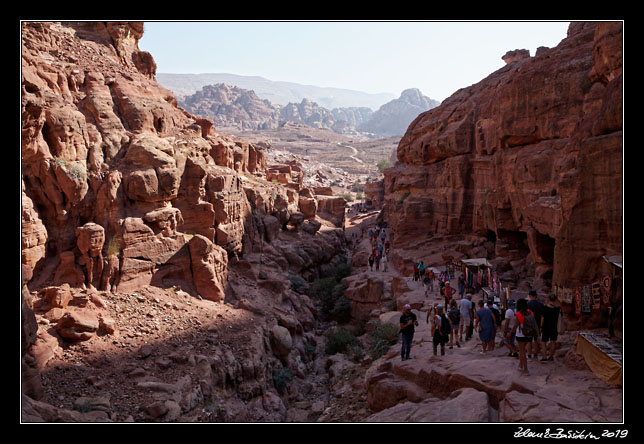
{"x":426,"y":284}
{"x":454,"y":316}
{"x":508,"y":333}
{"x":536,"y":307}
{"x":371,"y":260}
{"x":407,"y":322}
{"x":466,"y":308}
{"x":441,"y":328}
{"x":384,"y":262}
{"x":522,"y":328}
{"x":486,"y":325}
{"x":449,"y":292}
{"x":431,"y":277}
{"x":377,"y":261}
{"x":549,"y":320}
{"x":461,"y":286}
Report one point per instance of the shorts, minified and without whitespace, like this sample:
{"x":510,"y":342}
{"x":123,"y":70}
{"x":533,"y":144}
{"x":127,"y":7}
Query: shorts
{"x":524,"y":339}
{"x":549,"y":335}
{"x":465,"y":320}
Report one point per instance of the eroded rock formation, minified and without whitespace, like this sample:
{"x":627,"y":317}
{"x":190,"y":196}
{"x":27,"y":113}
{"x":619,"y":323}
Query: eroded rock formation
{"x":124,"y":193}
{"x":530,"y":155}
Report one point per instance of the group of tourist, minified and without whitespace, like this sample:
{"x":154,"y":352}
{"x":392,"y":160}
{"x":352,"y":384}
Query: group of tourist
{"x":528,"y":327}
{"x":379,"y":247}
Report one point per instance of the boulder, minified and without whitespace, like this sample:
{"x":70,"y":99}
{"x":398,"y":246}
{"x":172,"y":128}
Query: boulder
{"x":209,"y":267}
{"x":78,"y":325}
{"x":281,"y":340}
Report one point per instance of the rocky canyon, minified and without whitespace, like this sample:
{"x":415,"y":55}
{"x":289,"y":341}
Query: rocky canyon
{"x":174,"y":272}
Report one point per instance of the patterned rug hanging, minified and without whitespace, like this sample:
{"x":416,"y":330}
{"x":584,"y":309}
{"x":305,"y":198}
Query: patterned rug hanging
{"x":577,"y":298}
{"x":586,"y":299}
{"x":606,"y":283}
{"x":596,"y":296}
{"x":567,"y":295}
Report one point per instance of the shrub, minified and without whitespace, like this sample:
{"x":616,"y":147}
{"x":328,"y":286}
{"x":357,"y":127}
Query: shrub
{"x":298,"y":283}
{"x":340,"y":271}
{"x":338,"y":340}
{"x":381,"y":338}
{"x":114,"y":246}
{"x":357,"y":187}
{"x":383,"y":165}
{"x":341,"y":311}
{"x":281,"y":378}
{"x":329,"y":292}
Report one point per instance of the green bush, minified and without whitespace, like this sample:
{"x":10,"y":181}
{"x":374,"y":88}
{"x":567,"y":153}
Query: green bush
{"x":281,"y":378}
{"x":358,"y":187}
{"x":383,"y":165}
{"x":341,"y":311}
{"x":339,"y":272}
{"x":330,"y":293}
{"x":298,"y":283}
{"x":381,"y":338}
{"x":338,"y":340}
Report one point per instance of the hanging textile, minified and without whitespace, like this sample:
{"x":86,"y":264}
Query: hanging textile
{"x":576,"y":295}
{"x":605,"y":290}
{"x":586,"y":299}
{"x":567,"y":295}
{"x":596,"y":296}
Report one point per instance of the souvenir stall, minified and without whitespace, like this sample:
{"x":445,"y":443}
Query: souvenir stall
{"x":603,"y":294}
{"x":477,"y":274}
{"x":601,"y":355}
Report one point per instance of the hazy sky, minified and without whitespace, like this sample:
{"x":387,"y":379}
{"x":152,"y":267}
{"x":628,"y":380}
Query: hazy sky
{"x":436,"y":57}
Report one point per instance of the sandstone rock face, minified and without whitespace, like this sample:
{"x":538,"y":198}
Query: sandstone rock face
{"x":209,"y":267}
{"x":232,"y":107}
{"x":530,"y":155}
{"x":106,"y":152}
{"x":135,"y":211}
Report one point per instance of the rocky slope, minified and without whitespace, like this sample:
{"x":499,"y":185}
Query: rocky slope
{"x":160,"y":257}
{"x":394,"y":117}
{"x":529,"y":158}
{"x":277,"y":92}
{"x":233,"y":108}
{"x":157,"y":253}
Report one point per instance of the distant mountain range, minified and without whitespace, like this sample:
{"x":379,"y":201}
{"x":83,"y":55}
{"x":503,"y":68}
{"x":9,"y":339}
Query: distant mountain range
{"x":233,"y":106}
{"x":277,"y":92}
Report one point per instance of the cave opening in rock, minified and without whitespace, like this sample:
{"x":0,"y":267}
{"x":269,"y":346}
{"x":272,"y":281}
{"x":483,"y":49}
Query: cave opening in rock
{"x":515,"y":240}
{"x":545,"y":248}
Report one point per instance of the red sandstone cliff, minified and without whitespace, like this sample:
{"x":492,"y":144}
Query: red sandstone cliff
{"x":531,"y":154}
{"x":123,"y":192}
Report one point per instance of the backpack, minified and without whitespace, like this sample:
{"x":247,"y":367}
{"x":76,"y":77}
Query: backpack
{"x":454,"y":316}
{"x":529,"y":325}
{"x":497,"y":316}
{"x":446,"y":328}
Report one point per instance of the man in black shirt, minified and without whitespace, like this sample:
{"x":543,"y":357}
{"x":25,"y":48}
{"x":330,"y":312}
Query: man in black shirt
{"x":407,"y":323}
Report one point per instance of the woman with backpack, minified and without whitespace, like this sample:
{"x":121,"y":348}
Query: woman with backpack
{"x":523,"y":327}
{"x":441,"y":328}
